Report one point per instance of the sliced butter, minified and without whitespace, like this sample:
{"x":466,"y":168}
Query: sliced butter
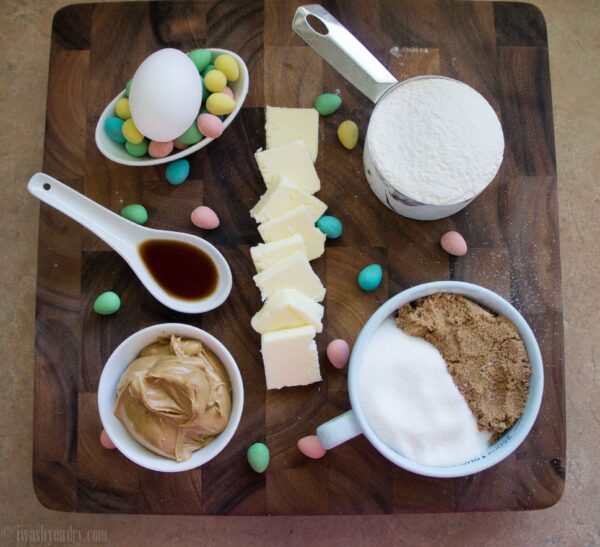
{"x":291,"y":160}
{"x":285,"y":125}
{"x":290,"y":357}
{"x":286,"y":309}
{"x":284,"y":195}
{"x":293,"y":272}
{"x":297,"y":221}
{"x":265,"y":255}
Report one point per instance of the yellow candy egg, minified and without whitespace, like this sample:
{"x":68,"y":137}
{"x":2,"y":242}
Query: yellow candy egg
{"x":348,"y":134}
{"x":131,"y":132}
{"x":219,"y":104}
{"x":228,"y":66}
{"x":215,"y":81}
{"x":122,"y":109}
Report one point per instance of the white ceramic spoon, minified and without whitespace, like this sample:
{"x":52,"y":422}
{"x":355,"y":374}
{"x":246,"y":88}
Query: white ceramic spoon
{"x":125,"y":238}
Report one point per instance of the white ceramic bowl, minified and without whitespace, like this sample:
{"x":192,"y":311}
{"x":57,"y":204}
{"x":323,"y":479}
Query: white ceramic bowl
{"x":126,"y":352}
{"x":117,"y":153}
{"x":354,"y":422}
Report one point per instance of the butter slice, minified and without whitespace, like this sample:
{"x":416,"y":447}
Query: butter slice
{"x":291,"y":160}
{"x":297,"y":221}
{"x":290,"y":357}
{"x":286,"y":309}
{"x":284,"y":195}
{"x":265,"y":255}
{"x":293,"y":272}
{"x":285,"y":125}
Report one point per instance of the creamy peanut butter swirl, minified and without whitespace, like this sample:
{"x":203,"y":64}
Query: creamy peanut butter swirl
{"x":174,"y":397}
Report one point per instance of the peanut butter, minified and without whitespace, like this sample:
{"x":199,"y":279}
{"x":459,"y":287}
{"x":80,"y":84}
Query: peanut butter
{"x":174,"y":397}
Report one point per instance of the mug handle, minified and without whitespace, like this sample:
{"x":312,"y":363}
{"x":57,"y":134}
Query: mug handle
{"x":340,"y":429}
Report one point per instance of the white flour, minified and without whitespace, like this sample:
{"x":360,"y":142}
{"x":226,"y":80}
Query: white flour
{"x":435,"y":140}
{"x":411,"y":402}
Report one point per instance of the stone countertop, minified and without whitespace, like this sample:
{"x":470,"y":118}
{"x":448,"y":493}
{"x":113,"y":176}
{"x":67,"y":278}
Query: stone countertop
{"x":574,"y":46}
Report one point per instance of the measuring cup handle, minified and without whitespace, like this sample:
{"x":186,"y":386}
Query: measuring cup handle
{"x":340,"y":429}
{"x":343,"y":51}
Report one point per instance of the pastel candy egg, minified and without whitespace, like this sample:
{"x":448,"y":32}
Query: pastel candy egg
{"x":454,"y":244}
{"x":228,"y":91}
{"x":370,"y":277}
{"x":210,"y":125}
{"x":127,"y":88}
{"x":106,"y":442}
{"x":114,"y":129}
{"x":258,"y":457}
{"x":228,"y":66}
{"x":137,"y":150}
{"x":107,"y":303}
{"x":338,"y":353}
{"x":191,"y":136}
{"x":204,"y":217}
{"x":135,"y":213}
{"x":201,"y":58}
{"x":215,"y":81}
{"x":122,"y":108}
{"x":158,"y":149}
{"x":311,"y":447}
{"x":330,"y":226}
{"x":348,"y":134}
{"x":327,"y":103}
{"x":131,"y":132}
{"x":178,"y":171}
{"x":220,"y":104}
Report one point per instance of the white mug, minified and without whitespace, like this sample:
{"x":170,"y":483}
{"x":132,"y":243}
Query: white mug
{"x":354,"y":422}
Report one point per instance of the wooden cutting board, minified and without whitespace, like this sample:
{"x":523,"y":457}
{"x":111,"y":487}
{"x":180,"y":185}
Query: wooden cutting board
{"x":500,"y":49}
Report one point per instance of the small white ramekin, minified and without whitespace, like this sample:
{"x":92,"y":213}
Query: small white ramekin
{"x":120,"y":359}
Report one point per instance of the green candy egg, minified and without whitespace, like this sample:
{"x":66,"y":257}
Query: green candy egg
{"x":327,"y":103}
{"x":127,"y":88}
{"x":370,"y":277}
{"x":201,"y":58}
{"x":178,"y":171}
{"x":258,"y":457}
{"x":114,"y":129}
{"x":135,"y":213}
{"x":137,"y":150}
{"x":192,"y":135}
{"x":330,"y":226}
{"x":208,"y":69}
{"x":107,"y":303}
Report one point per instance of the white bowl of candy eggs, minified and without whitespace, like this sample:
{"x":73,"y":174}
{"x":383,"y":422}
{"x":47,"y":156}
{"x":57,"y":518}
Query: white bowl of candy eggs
{"x":167,"y":110}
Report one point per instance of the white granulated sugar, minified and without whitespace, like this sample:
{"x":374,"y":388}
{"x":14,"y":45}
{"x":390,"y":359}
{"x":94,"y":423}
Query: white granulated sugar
{"x":411,"y":402}
{"x":436,"y":140}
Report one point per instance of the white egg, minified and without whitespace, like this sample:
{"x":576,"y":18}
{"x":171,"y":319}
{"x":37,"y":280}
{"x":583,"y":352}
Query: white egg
{"x":165,"y":95}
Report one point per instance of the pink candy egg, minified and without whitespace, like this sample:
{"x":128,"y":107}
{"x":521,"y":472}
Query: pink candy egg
{"x":158,"y":149}
{"x":228,"y":91}
{"x":454,"y":244}
{"x":210,"y":126}
{"x":311,"y":447}
{"x":205,"y":218}
{"x":179,"y":145}
{"x":338,"y":353}
{"x":105,"y":441}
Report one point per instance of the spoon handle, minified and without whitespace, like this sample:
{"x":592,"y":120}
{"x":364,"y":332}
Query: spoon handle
{"x":342,"y":51}
{"x":113,"y":229}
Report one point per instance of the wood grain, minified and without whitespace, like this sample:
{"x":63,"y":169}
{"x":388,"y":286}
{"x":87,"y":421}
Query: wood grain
{"x":512,"y":228}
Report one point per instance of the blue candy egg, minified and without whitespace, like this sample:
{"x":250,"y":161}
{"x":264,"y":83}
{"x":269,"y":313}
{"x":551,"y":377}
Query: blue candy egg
{"x":113,"y":127}
{"x":330,"y":226}
{"x":178,"y":171}
{"x":370,"y":277}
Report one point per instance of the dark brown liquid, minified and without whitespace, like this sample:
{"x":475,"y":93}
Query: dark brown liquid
{"x":181,"y":269}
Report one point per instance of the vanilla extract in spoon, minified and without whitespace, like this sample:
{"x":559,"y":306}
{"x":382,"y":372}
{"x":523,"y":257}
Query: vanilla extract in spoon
{"x":181,"y":269}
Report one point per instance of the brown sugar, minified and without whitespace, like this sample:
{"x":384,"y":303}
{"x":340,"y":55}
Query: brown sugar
{"x":484,"y":353}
